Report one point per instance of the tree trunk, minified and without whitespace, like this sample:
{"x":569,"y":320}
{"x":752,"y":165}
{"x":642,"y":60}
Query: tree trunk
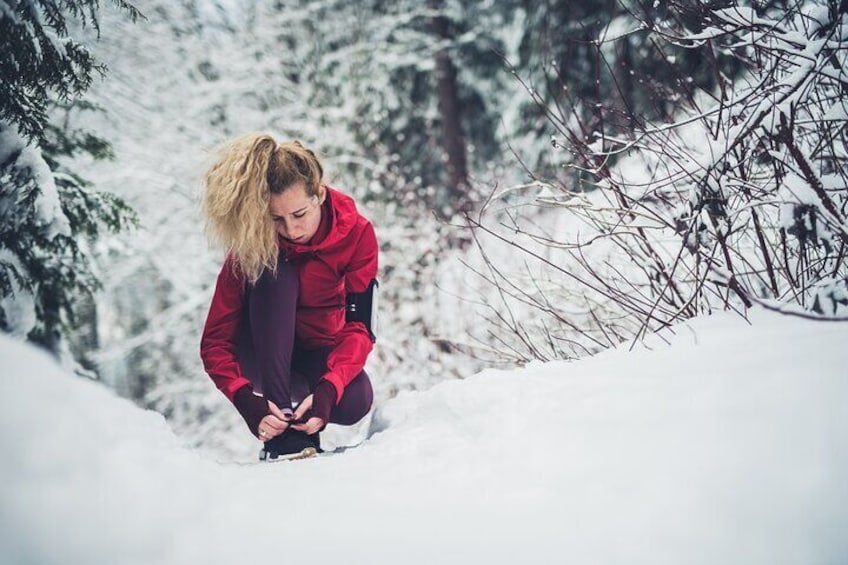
{"x":452,"y":136}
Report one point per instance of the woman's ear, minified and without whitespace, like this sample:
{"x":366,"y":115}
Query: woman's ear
{"x":322,"y":194}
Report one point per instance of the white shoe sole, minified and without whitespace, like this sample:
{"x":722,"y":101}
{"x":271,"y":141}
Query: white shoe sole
{"x":305,"y":453}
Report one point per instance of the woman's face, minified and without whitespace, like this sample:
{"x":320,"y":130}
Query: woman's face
{"x":295,"y":214}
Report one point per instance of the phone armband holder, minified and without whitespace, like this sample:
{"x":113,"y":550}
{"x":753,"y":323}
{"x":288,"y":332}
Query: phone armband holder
{"x":362,"y":307}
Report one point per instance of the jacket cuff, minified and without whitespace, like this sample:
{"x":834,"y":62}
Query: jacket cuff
{"x":232,"y":387}
{"x":323,"y":400}
{"x":337,"y":382}
{"x":251,"y":407}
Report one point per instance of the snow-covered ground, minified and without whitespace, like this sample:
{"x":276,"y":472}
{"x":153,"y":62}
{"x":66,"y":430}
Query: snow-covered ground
{"x":728,"y":446}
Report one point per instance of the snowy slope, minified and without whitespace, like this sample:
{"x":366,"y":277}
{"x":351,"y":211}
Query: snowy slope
{"x":729,"y":446}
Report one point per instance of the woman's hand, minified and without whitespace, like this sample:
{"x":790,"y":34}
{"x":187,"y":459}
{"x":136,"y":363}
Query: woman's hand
{"x":274,"y":423}
{"x":311,"y":425}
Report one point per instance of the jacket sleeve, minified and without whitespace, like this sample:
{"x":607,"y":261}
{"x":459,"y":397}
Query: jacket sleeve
{"x":353,"y":343}
{"x":218,"y":344}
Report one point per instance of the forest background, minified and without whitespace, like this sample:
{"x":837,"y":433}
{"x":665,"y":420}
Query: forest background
{"x":547,"y":179}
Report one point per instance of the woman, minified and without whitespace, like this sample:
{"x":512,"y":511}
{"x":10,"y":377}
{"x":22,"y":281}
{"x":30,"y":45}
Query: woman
{"x":286,"y":327}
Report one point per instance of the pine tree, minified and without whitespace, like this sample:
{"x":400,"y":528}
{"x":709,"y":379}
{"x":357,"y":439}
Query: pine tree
{"x":48,"y":214}
{"x":408,"y":84}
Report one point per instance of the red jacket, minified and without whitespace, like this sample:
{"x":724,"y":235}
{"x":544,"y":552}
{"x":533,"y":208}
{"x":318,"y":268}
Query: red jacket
{"x":340,"y":258}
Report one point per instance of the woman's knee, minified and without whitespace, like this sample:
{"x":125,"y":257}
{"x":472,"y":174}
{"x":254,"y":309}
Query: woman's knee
{"x":356,"y":401}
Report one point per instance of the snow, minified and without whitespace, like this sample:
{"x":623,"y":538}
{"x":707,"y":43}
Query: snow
{"x":743,"y":16}
{"x":796,"y":191}
{"x":6,"y":11}
{"x":47,"y":207}
{"x":617,"y":28}
{"x":19,"y":306}
{"x":730,"y":445}
{"x":837,"y":112}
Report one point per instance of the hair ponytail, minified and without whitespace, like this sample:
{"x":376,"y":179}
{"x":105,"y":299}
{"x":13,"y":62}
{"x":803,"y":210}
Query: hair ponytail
{"x":238,"y":190}
{"x":235,"y":203}
{"x":292,"y":163}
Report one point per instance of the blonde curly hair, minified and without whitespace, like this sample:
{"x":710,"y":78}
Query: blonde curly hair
{"x":237,"y":192}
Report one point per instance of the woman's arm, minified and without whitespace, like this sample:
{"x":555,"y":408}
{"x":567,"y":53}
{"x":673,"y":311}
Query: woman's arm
{"x":218,"y":344}
{"x":218,"y":351}
{"x":353,"y":343}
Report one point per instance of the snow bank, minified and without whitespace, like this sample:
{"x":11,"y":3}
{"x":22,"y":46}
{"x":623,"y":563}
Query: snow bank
{"x":729,"y":446}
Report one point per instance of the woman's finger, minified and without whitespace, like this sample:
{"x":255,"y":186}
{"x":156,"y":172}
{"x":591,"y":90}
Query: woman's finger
{"x":284,"y":415}
{"x":304,"y":406}
{"x":310,"y":426}
{"x":267,"y":432}
{"x":272,"y":423}
{"x":275,"y":422}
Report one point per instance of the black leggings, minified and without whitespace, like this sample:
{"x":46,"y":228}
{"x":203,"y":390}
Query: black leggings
{"x":279,"y":368}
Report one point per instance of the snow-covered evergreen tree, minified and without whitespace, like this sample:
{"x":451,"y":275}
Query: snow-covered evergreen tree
{"x":48,"y":214}
{"x":371,"y":69}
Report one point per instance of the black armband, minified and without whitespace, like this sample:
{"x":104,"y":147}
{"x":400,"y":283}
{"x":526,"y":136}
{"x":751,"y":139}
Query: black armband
{"x":362,"y":307}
